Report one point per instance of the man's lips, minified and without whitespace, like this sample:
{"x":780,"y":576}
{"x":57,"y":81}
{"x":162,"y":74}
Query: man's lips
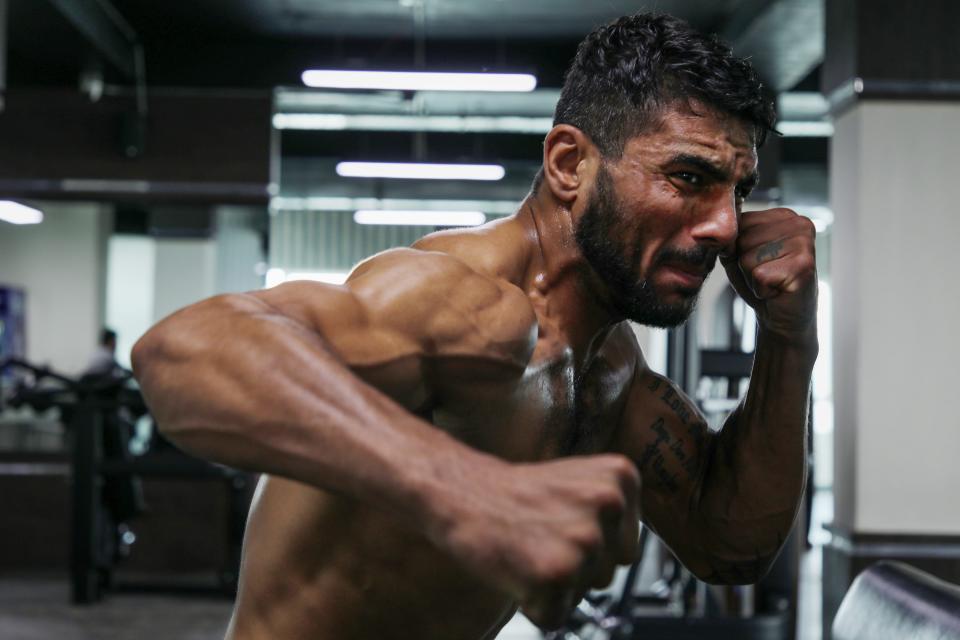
{"x":685,"y":275}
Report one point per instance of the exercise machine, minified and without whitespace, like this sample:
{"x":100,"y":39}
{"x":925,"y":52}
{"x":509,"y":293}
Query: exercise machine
{"x":99,"y":413}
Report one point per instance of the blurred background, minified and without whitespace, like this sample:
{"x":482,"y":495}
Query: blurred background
{"x":155,"y":154}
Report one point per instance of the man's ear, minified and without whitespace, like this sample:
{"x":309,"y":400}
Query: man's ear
{"x":567,"y":158}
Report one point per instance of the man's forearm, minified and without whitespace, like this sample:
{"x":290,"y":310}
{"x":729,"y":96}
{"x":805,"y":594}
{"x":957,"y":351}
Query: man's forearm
{"x":233,"y":382}
{"x":757,"y":467}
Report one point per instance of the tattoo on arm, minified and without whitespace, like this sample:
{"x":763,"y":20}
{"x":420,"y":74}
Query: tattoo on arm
{"x":696,"y":427}
{"x":668,"y":455}
{"x":653,"y":458}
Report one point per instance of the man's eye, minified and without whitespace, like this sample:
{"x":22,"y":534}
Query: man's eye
{"x":693,"y":179}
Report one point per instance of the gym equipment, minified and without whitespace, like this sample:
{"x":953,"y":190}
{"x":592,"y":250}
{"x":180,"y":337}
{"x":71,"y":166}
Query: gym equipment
{"x":100,"y":412}
{"x":893,"y":601}
{"x":677,"y":606}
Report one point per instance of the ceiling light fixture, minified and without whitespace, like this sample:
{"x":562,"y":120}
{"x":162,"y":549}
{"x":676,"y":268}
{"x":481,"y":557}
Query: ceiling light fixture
{"x":805,"y":129}
{"x":389,"y":122}
{"x":420,"y":218}
{"x":416,"y":171}
{"x":16,"y":213}
{"x":418,"y":81}
{"x":287,"y":204}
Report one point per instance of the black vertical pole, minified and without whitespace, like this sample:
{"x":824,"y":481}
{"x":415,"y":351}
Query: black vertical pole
{"x":85,"y":426}
{"x":237,"y":484}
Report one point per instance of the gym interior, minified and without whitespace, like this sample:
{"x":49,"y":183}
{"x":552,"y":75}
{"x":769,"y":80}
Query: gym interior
{"x":153,"y":155}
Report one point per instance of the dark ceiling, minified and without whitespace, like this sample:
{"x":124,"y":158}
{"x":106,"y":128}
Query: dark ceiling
{"x":222,"y":48}
{"x":399,"y":18}
{"x":243,"y":43}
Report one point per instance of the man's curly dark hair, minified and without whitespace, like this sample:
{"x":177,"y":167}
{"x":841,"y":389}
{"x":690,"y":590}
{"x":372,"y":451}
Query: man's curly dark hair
{"x":626,"y":72}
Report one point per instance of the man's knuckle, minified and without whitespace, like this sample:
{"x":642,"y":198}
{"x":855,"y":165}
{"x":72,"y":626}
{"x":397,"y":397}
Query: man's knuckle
{"x":806,"y":225}
{"x":609,"y":498}
{"x":760,"y":274}
{"x":806,"y":264}
{"x":623,"y":468}
{"x":552,"y":570}
{"x":588,"y":538}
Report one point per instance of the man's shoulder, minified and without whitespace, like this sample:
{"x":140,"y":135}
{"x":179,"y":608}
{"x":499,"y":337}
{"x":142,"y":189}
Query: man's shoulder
{"x":450,"y":307}
{"x":623,"y":340}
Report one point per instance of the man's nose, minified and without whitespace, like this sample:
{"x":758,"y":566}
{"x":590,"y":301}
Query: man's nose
{"x":716,"y":227}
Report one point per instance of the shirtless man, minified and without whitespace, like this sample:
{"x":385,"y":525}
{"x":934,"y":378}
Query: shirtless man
{"x":468,"y":426}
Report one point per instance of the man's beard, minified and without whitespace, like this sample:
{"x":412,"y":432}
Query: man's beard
{"x":601,"y":244}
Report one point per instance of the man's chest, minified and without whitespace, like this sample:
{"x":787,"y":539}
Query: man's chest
{"x":552,"y":409}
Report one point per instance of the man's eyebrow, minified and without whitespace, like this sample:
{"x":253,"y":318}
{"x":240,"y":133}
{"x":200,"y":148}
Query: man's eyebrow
{"x":714,"y":171}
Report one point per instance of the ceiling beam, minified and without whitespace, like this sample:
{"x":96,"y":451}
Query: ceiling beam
{"x":106,"y":30}
{"x":782,"y":38}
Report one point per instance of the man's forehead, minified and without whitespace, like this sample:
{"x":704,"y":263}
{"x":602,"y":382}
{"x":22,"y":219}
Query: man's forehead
{"x":722,"y":138}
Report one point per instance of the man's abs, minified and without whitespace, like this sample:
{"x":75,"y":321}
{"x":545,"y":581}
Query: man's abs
{"x":318,"y":566}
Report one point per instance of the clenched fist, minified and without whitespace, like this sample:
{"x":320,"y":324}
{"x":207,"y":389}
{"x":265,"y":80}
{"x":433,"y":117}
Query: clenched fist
{"x":546,"y":533}
{"x":774,"y":270}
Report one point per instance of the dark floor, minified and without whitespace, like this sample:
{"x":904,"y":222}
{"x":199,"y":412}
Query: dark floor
{"x":34,"y":608}
{"x":38,"y":609}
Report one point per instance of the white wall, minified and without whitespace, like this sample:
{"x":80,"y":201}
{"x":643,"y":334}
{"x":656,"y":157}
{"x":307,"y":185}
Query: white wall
{"x":897,"y":310}
{"x":239,"y":250}
{"x":60,"y":264}
{"x":150,"y":278}
{"x":845,"y":164}
{"x":185,"y":272}
{"x":131,"y":277}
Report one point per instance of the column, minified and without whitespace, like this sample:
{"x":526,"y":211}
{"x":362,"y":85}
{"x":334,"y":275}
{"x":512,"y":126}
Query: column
{"x":892,"y":75}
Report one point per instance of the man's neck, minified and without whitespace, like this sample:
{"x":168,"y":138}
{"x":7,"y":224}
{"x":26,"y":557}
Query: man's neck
{"x":572,"y":294}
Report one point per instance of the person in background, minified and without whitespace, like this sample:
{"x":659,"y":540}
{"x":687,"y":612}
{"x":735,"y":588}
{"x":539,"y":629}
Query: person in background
{"x":104,"y":360}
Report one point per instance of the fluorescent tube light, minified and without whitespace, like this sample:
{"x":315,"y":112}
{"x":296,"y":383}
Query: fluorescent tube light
{"x":387,"y":122}
{"x":420,"y":218}
{"x":418,"y":81}
{"x":408,"y":170}
{"x":16,"y":213}
{"x":342,"y":203}
{"x":805,"y":129}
